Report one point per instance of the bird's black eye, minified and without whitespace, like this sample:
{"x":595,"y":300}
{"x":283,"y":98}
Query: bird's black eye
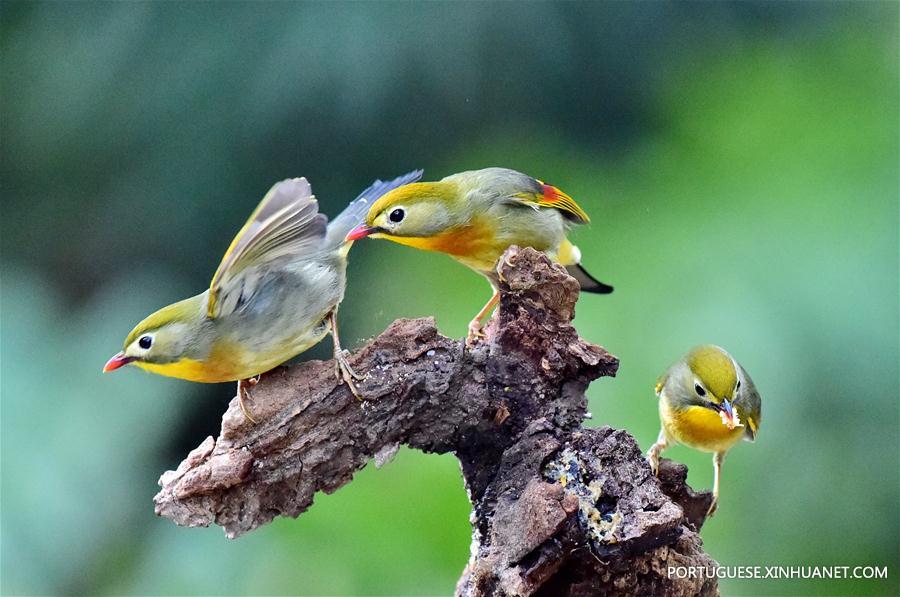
{"x":145,"y":342}
{"x":397,"y":216}
{"x":738,"y":385}
{"x":699,"y":389}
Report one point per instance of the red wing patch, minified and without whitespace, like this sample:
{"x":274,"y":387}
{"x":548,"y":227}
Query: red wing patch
{"x":551,"y":196}
{"x":550,"y":193}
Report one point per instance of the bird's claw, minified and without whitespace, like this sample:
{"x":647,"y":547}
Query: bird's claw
{"x":475,"y":333}
{"x":345,"y":374}
{"x":243,"y":392}
{"x":713,"y":507}
{"x":500,"y":275}
{"x":345,"y":364}
{"x":653,"y":459}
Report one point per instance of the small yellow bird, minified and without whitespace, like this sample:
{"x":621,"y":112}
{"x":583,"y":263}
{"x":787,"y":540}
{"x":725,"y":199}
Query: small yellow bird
{"x":706,"y":401}
{"x":475,"y":216}
{"x":275,"y":294}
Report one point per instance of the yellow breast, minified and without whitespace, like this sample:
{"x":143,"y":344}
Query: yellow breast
{"x":698,"y":427}
{"x":230,"y":361}
{"x":188,"y":369}
{"x":227,"y":363}
{"x":475,"y":244}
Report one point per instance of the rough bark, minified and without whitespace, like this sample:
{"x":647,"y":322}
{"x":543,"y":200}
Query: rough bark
{"x":558,"y":509}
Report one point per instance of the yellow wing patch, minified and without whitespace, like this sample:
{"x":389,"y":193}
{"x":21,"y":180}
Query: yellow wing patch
{"x":660,"y":383}
{"x":751,"y":424}
{"x":553,"y":197}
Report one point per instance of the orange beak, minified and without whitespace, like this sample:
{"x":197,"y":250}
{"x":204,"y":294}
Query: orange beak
{"x":118,"y":360}
{"x":361,"y":231}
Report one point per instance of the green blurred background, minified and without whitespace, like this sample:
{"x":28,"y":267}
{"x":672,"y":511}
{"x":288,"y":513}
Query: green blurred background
{"x":740,"y":163}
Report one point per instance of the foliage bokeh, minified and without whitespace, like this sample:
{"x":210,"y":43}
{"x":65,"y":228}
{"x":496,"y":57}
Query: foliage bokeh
{"x":740,"y":162}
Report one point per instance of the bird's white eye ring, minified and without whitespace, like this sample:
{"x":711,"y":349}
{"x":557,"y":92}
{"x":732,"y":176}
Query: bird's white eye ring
{"x":397,"y":215}
{"x":699,"y":389}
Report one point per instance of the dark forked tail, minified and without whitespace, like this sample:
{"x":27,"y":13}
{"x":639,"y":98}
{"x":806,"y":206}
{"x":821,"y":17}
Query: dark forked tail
{"x":588,"y":282}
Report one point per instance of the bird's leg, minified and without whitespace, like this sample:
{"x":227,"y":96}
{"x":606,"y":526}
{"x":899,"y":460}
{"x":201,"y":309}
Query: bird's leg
{"x":475,"y":325}
{"x":243,"y":391}
{"x":342,"y":369}
{"x":662,"y":442}
{"x":718,"y":458}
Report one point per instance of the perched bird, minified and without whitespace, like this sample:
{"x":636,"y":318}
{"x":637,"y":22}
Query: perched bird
{"x":708,"y":402}
{"x":475,"y":216}
{"x":275,"y":294}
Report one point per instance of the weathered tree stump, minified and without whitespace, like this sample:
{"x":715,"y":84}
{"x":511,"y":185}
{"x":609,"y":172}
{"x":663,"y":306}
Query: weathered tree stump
{"x":558,"y":509}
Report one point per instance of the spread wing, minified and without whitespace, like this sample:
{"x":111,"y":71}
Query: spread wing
{"x":286,"y":223}
{"x":546,"y":195}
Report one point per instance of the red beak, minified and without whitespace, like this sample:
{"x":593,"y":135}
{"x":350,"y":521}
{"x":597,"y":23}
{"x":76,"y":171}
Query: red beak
{"x":118,"y":360}
{"x":361,"y":231}
{"x":729,"y":416}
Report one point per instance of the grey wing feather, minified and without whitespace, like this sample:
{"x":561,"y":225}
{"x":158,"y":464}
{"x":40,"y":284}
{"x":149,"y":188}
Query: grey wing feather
{"x":285,"y":225}
{"x":497,"y":183}
{"x":355,"y":213}
{"x":750,"y":403}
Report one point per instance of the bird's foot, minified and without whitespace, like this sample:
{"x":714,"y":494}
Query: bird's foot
{"x":500,"y":275}
{"x":475,"y":333}
{"x":653,"y":460}
{"x":345,"y":373}
{"x":244,"y":386}
{"x":345,"y":365}
{"x":713,"y":507}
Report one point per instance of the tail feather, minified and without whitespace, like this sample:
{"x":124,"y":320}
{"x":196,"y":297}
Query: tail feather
{"x":588,"y":282}
{"x":355,"y":213}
